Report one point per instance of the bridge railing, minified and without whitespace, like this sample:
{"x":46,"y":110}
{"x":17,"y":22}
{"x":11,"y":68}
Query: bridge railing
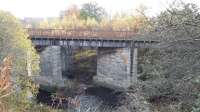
{"x":80,"y":34}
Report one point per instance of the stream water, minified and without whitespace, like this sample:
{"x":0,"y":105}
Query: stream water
{"x":95,"y":98}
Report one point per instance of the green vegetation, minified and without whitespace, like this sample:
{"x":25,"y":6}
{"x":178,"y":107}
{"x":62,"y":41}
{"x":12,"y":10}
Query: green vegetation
{"x":13,"y":41}
{"x":92,"y":11}
{"x":168,"y":76}
{"x":84,"y":53}
{"x":91,"y":16}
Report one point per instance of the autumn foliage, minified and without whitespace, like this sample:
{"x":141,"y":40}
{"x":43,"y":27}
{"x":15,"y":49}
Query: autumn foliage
{"x":5,"y":80}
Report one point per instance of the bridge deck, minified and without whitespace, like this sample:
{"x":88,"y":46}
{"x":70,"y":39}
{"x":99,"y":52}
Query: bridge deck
{"x":80,"y":34}
{"x":86,"y":38}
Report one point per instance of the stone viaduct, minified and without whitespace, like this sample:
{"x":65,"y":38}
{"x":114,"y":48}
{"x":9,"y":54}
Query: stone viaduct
{"x":117,"y":54}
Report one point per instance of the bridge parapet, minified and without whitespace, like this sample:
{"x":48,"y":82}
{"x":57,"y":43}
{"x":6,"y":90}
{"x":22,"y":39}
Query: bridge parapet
{"x":86,"y":38}
{"x":80,"y":34}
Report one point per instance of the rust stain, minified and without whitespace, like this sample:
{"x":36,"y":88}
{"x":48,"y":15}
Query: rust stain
{"x":80,"y":34}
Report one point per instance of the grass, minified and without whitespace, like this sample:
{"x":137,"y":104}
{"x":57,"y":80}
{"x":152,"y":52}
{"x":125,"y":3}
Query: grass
{"x":85,"y":54}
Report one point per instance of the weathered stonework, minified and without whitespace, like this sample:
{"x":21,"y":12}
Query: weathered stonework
{"x":51,"y":67}
{"x":67,"y":61}
{"x":114,"y":67}
{"x":50,"y":62}
{"x":56,"y":64}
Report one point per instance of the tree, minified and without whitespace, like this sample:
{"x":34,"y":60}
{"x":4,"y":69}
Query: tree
{"x":92,"y":10}
{"x":44,"y":24}
{"x":170,"y":71}
{"x":105,"y":24}
{"x":70,"y":19}
{"x":14,"y":40}
{"x":72,"y":22}
{"x":72,"y":10}
{"x":91,"y":23}
{"x":128,"y":22}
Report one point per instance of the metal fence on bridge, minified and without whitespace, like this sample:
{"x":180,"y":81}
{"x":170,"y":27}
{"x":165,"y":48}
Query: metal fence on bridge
{"x":80,"y":34}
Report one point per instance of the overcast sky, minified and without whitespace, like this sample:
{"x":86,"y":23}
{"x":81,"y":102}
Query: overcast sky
{"x":51,"y":8}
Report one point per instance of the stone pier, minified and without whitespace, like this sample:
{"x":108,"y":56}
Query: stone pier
{"x":55,"y":65}
{"x":116,"y":67}
{"x":67,"y":61}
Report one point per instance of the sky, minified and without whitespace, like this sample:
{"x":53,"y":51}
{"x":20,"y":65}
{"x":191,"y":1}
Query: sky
{"x":52,"y":8}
